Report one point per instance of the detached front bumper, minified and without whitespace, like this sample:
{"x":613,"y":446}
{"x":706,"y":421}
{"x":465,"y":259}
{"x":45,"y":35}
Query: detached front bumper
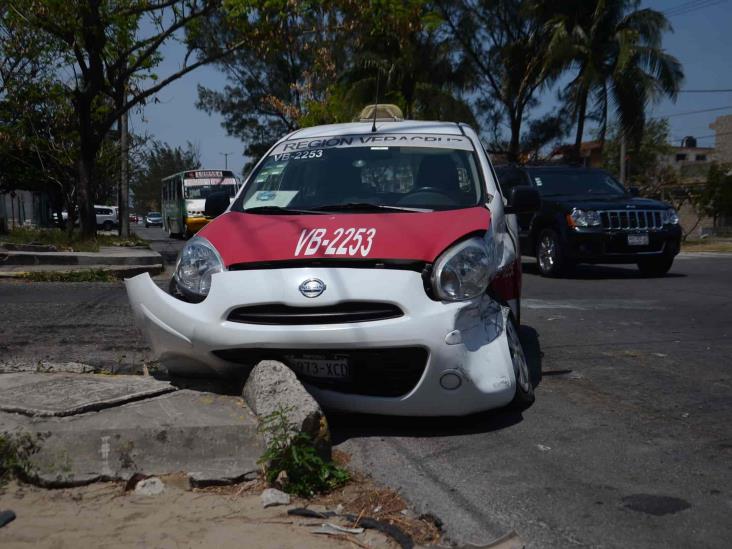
{"x":465,"y":340}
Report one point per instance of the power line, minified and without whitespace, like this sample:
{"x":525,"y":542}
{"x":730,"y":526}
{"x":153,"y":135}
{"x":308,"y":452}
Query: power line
{"x":690,"y":7}
{"x":707,"y":91}
{"x":691,"y":112}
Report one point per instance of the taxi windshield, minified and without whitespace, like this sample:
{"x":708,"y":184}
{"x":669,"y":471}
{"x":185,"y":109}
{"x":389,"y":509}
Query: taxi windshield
{"x":364,"y":178}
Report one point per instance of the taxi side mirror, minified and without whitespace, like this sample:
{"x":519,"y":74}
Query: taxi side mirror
{"x":522,"y":199}
{"x":216,"y":204}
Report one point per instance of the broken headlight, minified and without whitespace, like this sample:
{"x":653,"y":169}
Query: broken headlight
{"x":464,"y":271}
{"x":197,"y":262}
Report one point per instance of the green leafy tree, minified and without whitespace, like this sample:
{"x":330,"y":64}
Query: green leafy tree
{"x":109,"y":50}
{"x":160,"y":160}
{"x":316,"y":62}
{"x":645,"y":166}
{"x":615,"y":50}
{"x":716,"y":197}
{"x":503,"y":42}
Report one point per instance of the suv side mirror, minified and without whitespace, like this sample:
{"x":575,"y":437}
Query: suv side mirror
{"x":522,"y":199}
{"x":634,"y":191}
{"x":216,"y":204}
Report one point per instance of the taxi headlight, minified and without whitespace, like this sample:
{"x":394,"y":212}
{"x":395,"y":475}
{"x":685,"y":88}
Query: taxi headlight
{"x":464,"y":271}
{"x":197,"y":262}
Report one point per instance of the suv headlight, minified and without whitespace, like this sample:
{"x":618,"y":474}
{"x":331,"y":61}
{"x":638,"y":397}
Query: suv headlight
{"x":670,"y":217}
{"x":464,"y":271}
{"x":197,"y":262}
{"x":586,"y":218}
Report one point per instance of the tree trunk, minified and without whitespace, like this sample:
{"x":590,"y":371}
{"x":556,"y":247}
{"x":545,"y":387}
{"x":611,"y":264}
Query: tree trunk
{"x":88,"y":149}
{"x":514,"y":148}
{"x":124,"y":189}
{"x":581,"y":112}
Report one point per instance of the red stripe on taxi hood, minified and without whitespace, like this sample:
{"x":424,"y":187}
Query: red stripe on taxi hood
{"x":248,"y":238}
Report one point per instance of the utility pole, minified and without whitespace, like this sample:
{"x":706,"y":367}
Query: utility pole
{"x":622,"y":157}
{"x":226,"y":159}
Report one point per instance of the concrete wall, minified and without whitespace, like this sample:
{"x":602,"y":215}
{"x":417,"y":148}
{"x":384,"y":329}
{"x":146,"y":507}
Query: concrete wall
{"x":722,"y":126}
{"x":23,"y":209}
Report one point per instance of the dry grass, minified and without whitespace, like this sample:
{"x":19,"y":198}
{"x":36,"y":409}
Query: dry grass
{"x":361,"y":498}
{"x":708,"y":245}
{"x":65,"y":242}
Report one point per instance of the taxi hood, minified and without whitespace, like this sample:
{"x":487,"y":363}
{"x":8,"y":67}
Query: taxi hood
{"x":417,"y":236}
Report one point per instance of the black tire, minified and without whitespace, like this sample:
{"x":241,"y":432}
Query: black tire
{"x":107,"y":226}
{"x":147,"y":226}
{"x":524,"y":396}
{"x":655,"y":266}
{"x":550,"y":254}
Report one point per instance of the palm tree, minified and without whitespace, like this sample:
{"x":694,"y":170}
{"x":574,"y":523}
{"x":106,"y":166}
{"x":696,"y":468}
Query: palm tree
{"x":616,"y":51}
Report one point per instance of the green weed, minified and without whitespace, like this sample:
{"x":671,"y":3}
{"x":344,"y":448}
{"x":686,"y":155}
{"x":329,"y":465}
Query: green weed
{"x":16,"y":450}
{"x":293,"y":452}
{"x":86,"y":275}
{"x":65,"y":242}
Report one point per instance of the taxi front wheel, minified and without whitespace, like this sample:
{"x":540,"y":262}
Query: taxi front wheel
{"x":524,"y":396}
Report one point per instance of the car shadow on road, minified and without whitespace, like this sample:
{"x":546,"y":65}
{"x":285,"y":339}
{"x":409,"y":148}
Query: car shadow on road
{"x":600,"y":272}
{"x":344,"y":426}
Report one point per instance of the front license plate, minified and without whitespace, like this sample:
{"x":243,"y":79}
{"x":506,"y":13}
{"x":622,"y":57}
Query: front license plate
{"x":320,"y":367}
{"x":638,"y":239}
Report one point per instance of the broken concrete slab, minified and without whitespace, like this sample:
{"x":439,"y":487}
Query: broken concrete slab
{"x":48,"y":394}
{"x":271,"y":497}
{"x":212,"y":438}
{"x":272,"y":386}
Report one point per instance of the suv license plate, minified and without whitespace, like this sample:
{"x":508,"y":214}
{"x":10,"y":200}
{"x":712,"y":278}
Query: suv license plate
{"x":320,"y":367}
{"x":638,"y":239}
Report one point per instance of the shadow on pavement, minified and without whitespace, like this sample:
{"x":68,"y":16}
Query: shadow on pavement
{"x":600,"y":272}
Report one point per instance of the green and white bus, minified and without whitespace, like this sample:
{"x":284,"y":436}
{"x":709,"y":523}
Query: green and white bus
{"x":184,"y":198}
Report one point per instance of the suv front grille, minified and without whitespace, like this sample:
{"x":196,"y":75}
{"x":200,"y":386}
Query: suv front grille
{"x":632,"y":219}
{"x":286,"y":315}
{"x":390,"y":372}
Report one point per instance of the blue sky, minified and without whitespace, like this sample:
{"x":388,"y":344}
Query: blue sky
{"x":702,"y":41}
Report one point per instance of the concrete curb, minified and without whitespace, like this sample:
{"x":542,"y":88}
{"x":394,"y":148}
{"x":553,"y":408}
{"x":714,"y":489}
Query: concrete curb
{"x":689,"y":255}
{"x":110,"y":255}
{"x":125,"y":271}
{"x":212,"y":438}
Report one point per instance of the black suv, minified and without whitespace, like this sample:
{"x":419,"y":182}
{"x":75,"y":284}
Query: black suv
{"x":587,"y":216}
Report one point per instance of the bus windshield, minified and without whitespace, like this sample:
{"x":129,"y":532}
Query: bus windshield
{"x":202,"y":191}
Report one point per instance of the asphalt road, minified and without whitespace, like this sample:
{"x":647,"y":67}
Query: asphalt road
{"x":629,"y":442}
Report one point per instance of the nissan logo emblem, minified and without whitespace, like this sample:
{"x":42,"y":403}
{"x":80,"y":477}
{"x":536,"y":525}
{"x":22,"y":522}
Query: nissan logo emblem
{"x":312,"y":287}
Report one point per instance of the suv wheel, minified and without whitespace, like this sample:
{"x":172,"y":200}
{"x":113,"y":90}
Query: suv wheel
{"x":107,"y":226}
{"x":524,"y":396}
{"x":550,"y":254}
{"x":655,"y":266}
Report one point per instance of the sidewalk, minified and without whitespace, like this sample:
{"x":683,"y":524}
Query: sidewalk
{"x":119,"y":261}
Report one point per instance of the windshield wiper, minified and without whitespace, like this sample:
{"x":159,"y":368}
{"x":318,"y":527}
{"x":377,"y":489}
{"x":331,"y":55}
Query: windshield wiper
{"x":280,"y":210}
{"x":366,"y":206}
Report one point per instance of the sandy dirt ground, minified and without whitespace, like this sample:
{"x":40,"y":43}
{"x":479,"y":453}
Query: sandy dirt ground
{"x":104,"y":515}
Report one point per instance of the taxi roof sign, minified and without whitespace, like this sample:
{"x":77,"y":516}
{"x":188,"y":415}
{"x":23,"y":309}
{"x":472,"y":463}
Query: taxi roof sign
{"x":385,"y":112}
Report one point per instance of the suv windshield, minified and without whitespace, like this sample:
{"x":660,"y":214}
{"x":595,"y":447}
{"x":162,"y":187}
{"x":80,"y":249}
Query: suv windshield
{"x":363,"y":178}
{"x":576,"y":183}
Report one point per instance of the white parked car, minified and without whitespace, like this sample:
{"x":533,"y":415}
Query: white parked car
{"x":107,"y":217}
{"x":381,"y":266}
